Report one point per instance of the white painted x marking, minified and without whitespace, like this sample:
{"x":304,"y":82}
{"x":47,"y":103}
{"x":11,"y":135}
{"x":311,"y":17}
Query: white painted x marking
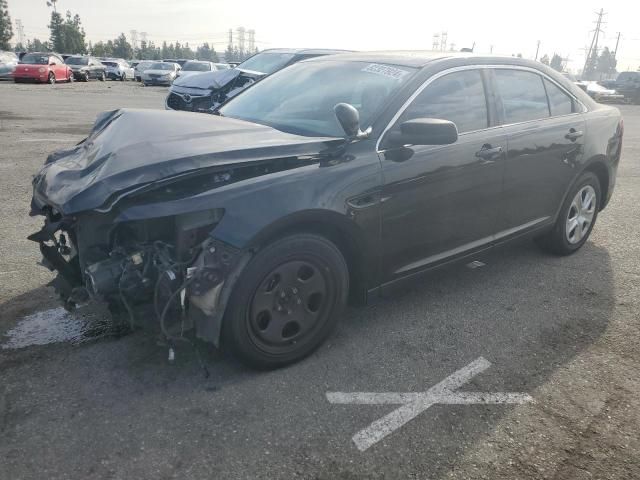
{"x":413,"y":404}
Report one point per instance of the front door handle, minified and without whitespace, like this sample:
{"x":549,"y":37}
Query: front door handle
{"x":488,"y":153}
{"x":573,"y":135}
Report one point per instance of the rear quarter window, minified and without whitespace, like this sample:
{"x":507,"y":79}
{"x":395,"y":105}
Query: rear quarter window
{"x":522,"y":94}
{"x":559,"y":102}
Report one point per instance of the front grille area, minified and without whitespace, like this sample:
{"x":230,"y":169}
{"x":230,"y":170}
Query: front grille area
{"x":176,"y":102}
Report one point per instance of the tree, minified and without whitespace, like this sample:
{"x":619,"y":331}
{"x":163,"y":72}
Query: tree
{"x":229,"y":54}
{"x":101,"y":49}
{"x":606,"y":62}
{"x":36,"y":45}
{"x":556,"y":62}
{"x":56,"y":38}
{"x":122,"y":48}
{"x":205,"y":52}
{"x":6,"y":28}
{"x":67,"y":35}
{"x":545,"y":59}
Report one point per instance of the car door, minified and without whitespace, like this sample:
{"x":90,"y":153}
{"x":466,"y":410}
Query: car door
{"x":441,"y":201}
{"x":545,"y":129}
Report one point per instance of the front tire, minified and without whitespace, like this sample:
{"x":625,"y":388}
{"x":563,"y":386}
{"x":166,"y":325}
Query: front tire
{"x":576,"y":219}
{"x":286,"y":302}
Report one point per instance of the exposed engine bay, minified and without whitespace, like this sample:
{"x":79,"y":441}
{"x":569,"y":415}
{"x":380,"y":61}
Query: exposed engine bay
{"x":166,"y":269}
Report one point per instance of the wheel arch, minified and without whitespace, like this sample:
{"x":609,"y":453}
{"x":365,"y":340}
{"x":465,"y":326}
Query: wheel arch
{"x":598,"y":166}
{"x":338,"y":229}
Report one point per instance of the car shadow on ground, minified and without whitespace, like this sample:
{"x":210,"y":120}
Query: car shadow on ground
{"x":526,"y":312}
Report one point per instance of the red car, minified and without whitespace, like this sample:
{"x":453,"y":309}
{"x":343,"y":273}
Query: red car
{"x":42,"y":67}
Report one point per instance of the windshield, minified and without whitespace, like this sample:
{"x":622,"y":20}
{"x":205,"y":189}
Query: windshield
{"x":196,"y":67}
{"x":161,"y":66}
{"x":300,"y":99}
{"x":222,"y":66}
{"x":77,"y":61}
{"x":110,"y":64}
{"x":266,"y":62}
{"x":35,"y":59}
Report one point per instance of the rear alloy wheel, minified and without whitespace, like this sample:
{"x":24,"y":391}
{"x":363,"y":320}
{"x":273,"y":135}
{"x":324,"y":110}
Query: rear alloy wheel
{"x":52,"y":79}
{"x":577,"y":217}
{"x":123,"y":77}
{"x":102,"y":77}
{"x":286,"y":302}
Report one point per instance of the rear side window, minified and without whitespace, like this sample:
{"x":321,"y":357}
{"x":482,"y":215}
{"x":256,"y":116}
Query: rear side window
{"x":523,"y":95}
{"x":559,"y":102}
{"x":457,"y":97}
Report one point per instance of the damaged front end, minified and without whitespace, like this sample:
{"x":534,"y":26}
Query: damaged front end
{"x":131,"y":212}
{"x":166,"y":272}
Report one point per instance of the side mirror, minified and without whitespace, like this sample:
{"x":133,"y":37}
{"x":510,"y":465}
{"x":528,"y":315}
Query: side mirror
{"x":349,"y":119}
{"x":424,"y":131}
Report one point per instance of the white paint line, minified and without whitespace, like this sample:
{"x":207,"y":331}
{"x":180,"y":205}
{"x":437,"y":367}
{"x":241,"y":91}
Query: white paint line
{"x":413,"y":404}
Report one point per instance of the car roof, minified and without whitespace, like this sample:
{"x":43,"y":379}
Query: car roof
{"x":305,"y":51}
{"x":420,"y":58}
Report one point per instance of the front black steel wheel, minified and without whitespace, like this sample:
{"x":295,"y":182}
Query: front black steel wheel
{"x":287,"y":301}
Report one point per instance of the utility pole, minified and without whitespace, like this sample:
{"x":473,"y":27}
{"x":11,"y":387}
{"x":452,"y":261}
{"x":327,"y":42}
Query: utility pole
{"x":20,"y":29}
{"x":443,"y":41}
{"x":593,"y":49}
{"x":134,"y":39}
{"x":251,"y":41}
{"x":231,"y":38}
{"x":537,"y":50}
{"x":240,"y":31}
{"x":615,"y":52}
{"x":436,"y":42}
{"x":491,"y":49}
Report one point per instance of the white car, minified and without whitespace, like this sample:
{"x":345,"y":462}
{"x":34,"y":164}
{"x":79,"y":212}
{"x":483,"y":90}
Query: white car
{"x":160,"y":73}
{"x":199,"y":66}
{"x":142,"y":67}
{"x":118,"y":69}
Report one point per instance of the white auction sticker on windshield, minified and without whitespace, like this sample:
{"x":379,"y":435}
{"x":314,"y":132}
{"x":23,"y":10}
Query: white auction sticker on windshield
{"x":385,"y":71}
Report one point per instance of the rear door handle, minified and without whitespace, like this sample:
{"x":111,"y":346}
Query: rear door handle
{"x":573,"y":135}
{"x":488,"y":153}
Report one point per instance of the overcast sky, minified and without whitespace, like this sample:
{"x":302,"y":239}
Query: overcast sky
{"x":511,"y":27}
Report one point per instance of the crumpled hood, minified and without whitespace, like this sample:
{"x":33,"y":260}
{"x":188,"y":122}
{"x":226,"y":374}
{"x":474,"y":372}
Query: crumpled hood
{"x":213,"y":80}
{"x":128,"y":149}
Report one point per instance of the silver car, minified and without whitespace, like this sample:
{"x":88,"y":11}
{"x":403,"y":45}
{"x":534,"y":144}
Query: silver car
{"x":8,"y":62}
{"x":199,"y":66}
{"x":142,"y":67}
{"x":160,"y":73}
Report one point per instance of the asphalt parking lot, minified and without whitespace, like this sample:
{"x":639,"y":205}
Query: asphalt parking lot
{"x":79,"y":400}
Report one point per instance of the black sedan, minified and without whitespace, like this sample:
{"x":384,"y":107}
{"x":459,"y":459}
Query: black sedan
{"x":339,"y":178}
{"x":85,"y":68}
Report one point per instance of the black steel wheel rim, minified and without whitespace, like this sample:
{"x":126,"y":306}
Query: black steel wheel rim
{"x":289,"y":306}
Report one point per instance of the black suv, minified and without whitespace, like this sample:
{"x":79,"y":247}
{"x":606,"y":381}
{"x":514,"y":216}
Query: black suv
{"x":339,"y":177}
{"x":205,"y":92}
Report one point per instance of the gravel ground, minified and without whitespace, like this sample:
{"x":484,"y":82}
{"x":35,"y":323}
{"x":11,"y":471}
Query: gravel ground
{"x":79,"y":400}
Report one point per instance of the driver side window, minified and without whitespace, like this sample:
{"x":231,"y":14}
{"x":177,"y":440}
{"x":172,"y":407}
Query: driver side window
{"x":458,"y":97}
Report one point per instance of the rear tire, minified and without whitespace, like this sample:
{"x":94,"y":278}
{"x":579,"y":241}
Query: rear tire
{"x":123,"y":77}
{"x":286,"y":302}
{"x":576,"y":219}
{"x":52,"y":79}
{"x":102,"y":77}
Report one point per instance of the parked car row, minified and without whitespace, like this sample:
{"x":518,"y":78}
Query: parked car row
{"x":46,"y":67}
{"x":624,"y":89}
{"x":340,"y":177}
